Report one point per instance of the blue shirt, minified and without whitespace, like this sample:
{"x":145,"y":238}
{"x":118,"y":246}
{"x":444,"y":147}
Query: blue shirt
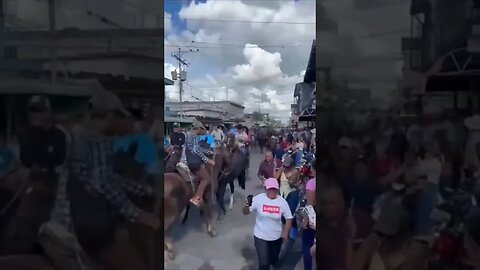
{"x":7,"y":159}
{"x":279,"y":153}
{"x":209,"y":139}
{"x":166,"y":142}
{"x":146,"y":151}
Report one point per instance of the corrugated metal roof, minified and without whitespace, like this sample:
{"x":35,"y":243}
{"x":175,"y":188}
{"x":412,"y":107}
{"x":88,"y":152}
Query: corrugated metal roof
{"x":168,"y":81}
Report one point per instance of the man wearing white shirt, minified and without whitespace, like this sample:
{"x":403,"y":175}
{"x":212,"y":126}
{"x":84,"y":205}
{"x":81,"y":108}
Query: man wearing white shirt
{"x":217,"y":134}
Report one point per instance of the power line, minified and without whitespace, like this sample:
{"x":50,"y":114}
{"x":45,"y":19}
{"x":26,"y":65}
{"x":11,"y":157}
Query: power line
{"x":220,"y":46}
{"x":319,"y":39}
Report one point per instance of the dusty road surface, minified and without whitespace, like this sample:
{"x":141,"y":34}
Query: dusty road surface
{"x":232,"y":248}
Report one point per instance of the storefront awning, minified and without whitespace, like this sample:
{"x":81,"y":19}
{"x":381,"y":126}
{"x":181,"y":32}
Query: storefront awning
{"x":453,"y":72}
{"x":308,"y":115}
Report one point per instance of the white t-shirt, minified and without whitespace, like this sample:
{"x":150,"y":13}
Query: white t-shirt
{"x":431,"y":168}
{"x":268,"y":223}
{"x":217,"y":135}
{"x":300,"y":146}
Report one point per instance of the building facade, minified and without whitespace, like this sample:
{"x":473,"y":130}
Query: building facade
{"x":224,"y":111}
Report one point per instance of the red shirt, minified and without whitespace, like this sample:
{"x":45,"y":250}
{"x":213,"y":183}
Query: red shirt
{"x":381,"y":166}
{"x":285,"y":145}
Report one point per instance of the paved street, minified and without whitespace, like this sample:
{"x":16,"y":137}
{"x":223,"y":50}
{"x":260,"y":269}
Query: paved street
{"x":232,"y":248}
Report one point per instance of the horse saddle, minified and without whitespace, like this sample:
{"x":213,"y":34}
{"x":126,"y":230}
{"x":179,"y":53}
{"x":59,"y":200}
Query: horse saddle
{"x":184,"y":171}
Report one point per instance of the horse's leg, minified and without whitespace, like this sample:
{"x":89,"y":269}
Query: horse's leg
{"x":170,"y":215}
{"x":242,"y":179}
{"x":122,"y":254}
{"x":185,"y":216}
{"x":209,"y":213}
{"x":222,"y":187}
{"x":232,"y":191}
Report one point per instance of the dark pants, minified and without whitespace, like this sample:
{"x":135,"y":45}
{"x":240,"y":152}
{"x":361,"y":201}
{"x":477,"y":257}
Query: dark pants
{"x":267,"y":252}
{"x":308,"y":237}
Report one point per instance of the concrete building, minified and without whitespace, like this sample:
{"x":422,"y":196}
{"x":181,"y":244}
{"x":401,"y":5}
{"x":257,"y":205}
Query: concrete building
{"x":436,"y":59}
{"x":210,"y":112}
{"x":167,"y":81}
{"x":89,"y":46}
{"x":304,"y":107}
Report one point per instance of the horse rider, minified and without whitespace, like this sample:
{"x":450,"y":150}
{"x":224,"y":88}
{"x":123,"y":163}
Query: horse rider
{"x":177,"y":138}
{"x":92,"y":202}
{"x":177,"y":141}
{"x":42,"y":152}
{"x":197,"y":157}
{"x":242,"y":137}
{"x":218,"y":135}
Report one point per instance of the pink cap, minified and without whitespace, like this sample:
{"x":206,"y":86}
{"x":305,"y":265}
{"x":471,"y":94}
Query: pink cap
{"x":271,"y":183}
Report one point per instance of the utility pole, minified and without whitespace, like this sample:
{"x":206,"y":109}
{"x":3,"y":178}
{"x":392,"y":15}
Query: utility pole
{"x":181,"y":74}
{"x":53,"y":30}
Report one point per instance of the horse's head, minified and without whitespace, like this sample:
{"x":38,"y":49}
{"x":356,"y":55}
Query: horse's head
{"x":126,"y":165}
{"x":231,"y":141}
{"x":223,"y":156}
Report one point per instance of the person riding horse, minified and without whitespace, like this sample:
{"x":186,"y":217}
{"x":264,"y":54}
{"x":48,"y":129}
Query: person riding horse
{"x":197,"y":157}
{"x":242,"y":137}
{"x":42,"y":152}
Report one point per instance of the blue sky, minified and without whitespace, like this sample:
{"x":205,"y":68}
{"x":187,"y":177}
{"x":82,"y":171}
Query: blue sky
{"x":247,"y":58}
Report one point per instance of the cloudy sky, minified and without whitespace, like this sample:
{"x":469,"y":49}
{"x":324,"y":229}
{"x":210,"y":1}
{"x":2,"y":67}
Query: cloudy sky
{"x":257,"y":63}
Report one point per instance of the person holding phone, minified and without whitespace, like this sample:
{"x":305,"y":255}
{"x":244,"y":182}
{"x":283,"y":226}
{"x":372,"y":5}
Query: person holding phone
{"x":268,"y":234}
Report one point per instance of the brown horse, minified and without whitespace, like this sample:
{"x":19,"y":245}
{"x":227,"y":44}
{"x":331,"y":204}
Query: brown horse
{"x":21,"y":216}
{"x":173,"y":158}
{"x":147,"y":242}
{"x":25,"y":262}
{"x":36,"y":195}
{"x":177,"y":193}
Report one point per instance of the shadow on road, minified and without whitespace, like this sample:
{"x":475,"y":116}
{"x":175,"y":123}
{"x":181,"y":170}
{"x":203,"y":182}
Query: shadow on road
{"x":290,"y":260}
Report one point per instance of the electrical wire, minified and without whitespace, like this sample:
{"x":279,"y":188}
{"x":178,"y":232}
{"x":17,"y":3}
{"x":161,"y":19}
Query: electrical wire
{"x":319,"y":39}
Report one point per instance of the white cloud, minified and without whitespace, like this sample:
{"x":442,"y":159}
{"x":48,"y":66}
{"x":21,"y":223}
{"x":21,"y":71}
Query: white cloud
{"x":171,"y":91}
{"x":247,"y":58}
{"x":167,"y":24}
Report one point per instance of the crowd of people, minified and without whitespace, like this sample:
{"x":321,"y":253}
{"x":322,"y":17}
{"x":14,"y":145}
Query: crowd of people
{"x":383,"y":185}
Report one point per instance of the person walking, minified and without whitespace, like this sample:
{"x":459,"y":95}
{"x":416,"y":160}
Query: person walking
{"x":268,"y":167}
{"x":269,"y":207}
{"x":308,"y":234}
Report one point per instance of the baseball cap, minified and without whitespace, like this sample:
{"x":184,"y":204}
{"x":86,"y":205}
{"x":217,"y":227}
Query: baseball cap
{"x":176,"y":125}
{"x":271,"y":183}
{"x":39,"y":103}
{"x":197,"y":124}
{"x":106,"y":101}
